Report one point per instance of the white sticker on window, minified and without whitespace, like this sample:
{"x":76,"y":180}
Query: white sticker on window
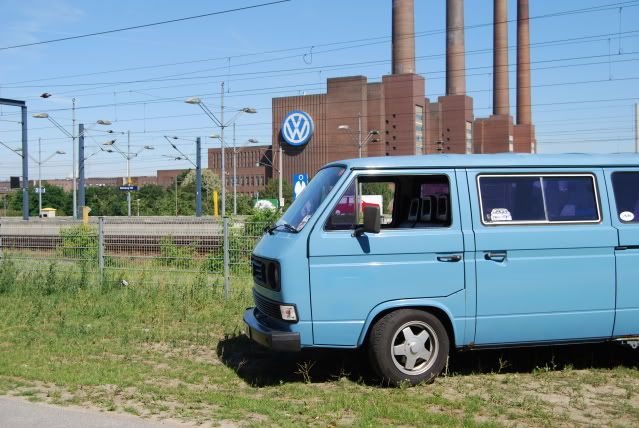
{"x":627,"y":216}
{"x":500,"y":214}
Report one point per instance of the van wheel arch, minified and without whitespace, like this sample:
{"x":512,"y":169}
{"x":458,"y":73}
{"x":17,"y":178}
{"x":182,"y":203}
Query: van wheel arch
{"x":439,"y":313}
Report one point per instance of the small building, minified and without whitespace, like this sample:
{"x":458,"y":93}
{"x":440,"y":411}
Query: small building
{"x":47,"y":212}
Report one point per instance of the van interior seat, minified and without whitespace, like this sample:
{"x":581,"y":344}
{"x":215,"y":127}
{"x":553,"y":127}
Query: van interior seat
{"x":413,"y":213}
{"x":443,"y":202}
{"x":426,"y":212}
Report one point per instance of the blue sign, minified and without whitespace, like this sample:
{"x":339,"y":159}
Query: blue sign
{"x":129,"y":188}
{"x":297,"y":128}
{"x":299,"y":184}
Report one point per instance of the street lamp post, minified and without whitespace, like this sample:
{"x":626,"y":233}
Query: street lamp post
{"x":222,"y":125}
{"x":236,"y":150}
{"x":358,"y":138}
{"x":127,"y":156}
{"x":71,"y":135}
{"x":40,"y":162}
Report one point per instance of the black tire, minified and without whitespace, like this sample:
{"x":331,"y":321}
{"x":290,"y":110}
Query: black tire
{"x":408,"y":345}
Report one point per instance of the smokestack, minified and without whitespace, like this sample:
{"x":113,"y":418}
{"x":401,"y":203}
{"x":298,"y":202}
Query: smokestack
{"x":501,"y":104}
{"x":403,"y":37}
{"x":455,"y":51}
{"x":524,"y":108}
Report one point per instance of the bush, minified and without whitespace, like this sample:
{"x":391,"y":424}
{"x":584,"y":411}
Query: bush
{"x":177,"y":256}
{"x":8,"y":275}
{"x":80,"y":243}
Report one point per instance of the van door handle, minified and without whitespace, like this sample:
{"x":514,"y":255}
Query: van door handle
{"x":496,"y":256}
{"x":451,"y":259}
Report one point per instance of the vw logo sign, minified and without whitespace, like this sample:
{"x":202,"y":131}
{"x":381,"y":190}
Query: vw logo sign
{"x":297,"y":128}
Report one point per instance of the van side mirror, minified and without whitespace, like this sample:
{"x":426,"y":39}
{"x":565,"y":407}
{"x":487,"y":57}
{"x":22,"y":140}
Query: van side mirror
{"x":372,"y":221}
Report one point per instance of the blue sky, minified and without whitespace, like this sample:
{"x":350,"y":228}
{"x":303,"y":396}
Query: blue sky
{"x":585,"y":69}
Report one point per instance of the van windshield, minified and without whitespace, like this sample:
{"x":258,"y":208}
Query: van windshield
{"x":305,"y":205}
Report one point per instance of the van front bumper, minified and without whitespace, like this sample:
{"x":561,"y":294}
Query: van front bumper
{"x":261,"y":333}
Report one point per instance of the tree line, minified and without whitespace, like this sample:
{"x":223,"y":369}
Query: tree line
{"x":148,"y":200}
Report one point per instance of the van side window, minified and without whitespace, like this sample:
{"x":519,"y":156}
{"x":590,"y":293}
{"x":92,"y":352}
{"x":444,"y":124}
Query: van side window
{"x":570,"y":199}
{"x":538,"y":199}
{"x":410,"y":201}
{"x":511,"y":198}
{"x":626,"y":188}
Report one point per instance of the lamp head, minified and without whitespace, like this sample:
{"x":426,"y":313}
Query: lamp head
{"x":103,"y":122}
{"x":344,"y":127}
{"x":249,"y":110}
{"x":374,"y":132}
{"x":149,"y":148}
{"x":193,"y":100}
{"x":109,"y":143}
{"x":253,"y":141}
{"x":60,"y":152}
{"x":45,"y":95}
{"x":41,"y":116}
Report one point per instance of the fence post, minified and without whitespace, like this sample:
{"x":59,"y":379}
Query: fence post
{"x":226,"y":256}
{"x":101,"y":247}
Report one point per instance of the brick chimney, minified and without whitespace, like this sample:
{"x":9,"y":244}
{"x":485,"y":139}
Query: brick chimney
{"x":403,"y":37}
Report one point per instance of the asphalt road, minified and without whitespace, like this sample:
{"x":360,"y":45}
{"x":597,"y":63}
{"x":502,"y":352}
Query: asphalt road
{"x":18,"y":413}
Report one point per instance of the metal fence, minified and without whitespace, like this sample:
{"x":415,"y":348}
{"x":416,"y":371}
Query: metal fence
{"x":129,"y":250}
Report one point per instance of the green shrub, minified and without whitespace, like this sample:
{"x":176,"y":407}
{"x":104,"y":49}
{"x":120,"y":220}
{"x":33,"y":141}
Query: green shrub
{"x":175,"y":255}
{"x":80,"y":243}
{"x":8,"y":275}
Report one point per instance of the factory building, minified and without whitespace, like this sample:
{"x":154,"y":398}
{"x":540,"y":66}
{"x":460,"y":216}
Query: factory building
{"x":393,"y":117}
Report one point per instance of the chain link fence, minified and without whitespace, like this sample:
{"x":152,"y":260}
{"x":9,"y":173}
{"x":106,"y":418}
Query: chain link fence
{"x":130,"y":250}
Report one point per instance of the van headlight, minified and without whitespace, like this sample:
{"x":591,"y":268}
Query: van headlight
{"x":288,"y":312}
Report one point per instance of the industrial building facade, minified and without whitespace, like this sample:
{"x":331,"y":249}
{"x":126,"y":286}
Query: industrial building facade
{"x":393,"y":117}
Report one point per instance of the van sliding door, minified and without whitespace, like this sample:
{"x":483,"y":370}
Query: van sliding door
{"x":545,"y":256}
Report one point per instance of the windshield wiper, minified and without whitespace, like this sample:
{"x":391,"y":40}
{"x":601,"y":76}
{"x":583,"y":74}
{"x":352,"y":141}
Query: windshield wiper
{"x":285,"y":226}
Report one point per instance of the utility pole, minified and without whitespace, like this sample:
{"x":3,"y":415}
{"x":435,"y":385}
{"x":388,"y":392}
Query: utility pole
{"x":81,"y":192}
{"x":223,"y":150}
{"x":25,"y":165}
{"x":75,"y":186}
{"x":198,"y":177}
{"x":234,"y":173}
{"x":39,"y":176}
{"x":128,"y":169}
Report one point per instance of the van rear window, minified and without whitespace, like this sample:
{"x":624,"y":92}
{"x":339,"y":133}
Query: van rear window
{"x":626,"y":188}
{"x":524,"y":199}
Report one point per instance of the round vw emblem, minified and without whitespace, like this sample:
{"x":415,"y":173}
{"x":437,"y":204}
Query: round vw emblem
{"x":297,"y":128}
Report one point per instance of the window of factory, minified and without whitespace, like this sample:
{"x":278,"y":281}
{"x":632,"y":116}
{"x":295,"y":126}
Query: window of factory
{"x":469,"y":138}
{"x":419,"y":130}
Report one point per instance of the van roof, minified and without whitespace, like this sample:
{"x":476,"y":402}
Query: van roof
{"x":499,"y":160}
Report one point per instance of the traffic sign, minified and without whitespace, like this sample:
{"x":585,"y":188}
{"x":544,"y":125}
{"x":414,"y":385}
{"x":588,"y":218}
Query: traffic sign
{"x":40,"y":189}
{"x":299,"y":184}
{"x":128,"y":188}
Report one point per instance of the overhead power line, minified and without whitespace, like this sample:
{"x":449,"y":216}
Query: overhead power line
{"x":152,"y":24}
{"x":375,"y":40}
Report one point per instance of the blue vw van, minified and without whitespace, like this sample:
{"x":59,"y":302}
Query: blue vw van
{"x":411,"y":257}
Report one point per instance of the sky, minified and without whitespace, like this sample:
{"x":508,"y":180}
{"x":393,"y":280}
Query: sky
{"x":584,"y":54}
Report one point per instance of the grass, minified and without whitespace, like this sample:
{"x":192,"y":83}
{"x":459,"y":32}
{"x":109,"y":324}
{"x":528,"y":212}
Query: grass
{"x":174,"y":348}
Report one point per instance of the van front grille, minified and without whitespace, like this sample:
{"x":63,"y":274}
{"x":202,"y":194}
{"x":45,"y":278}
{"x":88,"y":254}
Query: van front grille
{"x":267,"y":306}
{"x":259,"y":270}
